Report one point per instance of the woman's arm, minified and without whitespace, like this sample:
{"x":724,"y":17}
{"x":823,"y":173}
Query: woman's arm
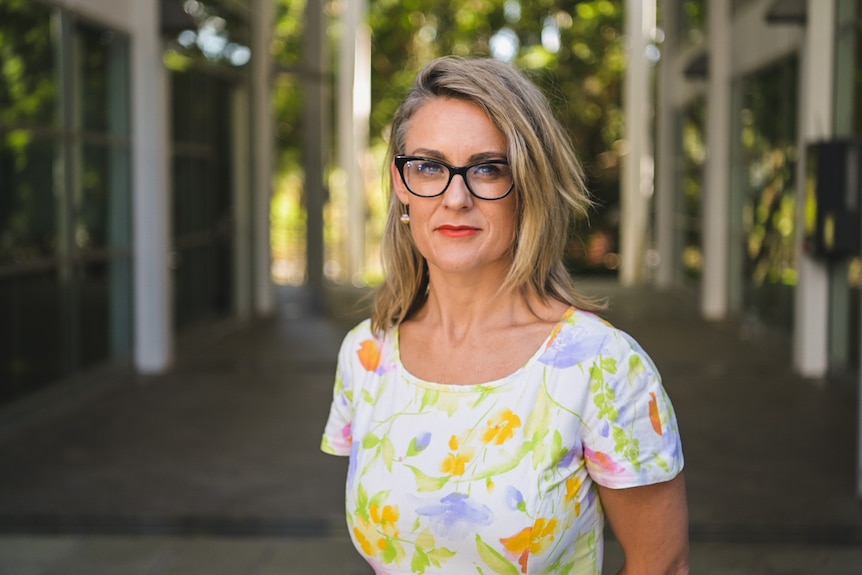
{"x":651,"y":525}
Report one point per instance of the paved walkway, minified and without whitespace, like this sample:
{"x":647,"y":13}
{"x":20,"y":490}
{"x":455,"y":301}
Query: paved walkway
{"x":214,"y":468}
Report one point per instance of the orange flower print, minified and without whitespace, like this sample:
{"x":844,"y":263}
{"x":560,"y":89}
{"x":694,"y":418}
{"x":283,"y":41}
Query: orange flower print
{"x":654,"y":417}
{"x":454,"y":463}
{"x":369,"y":354}
{"x":602,"y":460}
{"x":530,"y":540}
{"x":501,"y":427}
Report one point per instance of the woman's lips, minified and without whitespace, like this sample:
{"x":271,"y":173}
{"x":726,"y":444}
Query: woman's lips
{"x":457,"y":231}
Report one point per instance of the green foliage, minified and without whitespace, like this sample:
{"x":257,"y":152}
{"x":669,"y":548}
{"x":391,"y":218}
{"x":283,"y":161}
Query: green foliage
{"x":582,"y":75}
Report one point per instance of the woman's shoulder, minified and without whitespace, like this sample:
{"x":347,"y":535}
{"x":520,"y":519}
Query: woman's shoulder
{"x":583,"y":336}
{"x":365,"y":345}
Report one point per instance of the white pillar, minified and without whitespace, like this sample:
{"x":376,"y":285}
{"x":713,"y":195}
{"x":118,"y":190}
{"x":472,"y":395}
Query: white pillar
{"x":665,"y":207}
{"x":151,"y":214}
{"x":263,"y":149}
{"x":354,"y":110}
{"x":716,"y":210}
{"x":811,"y":309}
{"x":637,"y":184}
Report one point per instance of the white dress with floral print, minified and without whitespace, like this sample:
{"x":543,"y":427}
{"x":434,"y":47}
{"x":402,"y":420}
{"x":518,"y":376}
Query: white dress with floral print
{"x":497,"y":477}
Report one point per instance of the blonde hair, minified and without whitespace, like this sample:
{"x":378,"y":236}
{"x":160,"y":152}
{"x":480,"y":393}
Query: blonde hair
{"x":549,"y":187}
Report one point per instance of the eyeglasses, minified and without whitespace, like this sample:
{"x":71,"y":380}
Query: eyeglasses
{"x":427,"y":178}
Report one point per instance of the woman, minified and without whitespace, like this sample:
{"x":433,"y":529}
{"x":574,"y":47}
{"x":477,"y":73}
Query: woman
{"x":491,"y":419}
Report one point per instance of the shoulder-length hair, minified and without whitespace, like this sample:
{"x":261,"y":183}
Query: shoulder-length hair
{"x":549,"y":187}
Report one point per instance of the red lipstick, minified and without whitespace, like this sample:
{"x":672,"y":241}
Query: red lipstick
{"x":457,"y":231}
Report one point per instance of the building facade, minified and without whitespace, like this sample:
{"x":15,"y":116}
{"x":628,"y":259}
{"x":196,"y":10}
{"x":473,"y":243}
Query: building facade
{"x":748,"y":92}
{"x":135,"y":162}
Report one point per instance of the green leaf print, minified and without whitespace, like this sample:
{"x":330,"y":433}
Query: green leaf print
{"x":393,"y":552}
{"x":369,"y":441}
{"x":339,"y":383}
{"x":603,"y":394}
{"x":388,"y":453}
{"x":362,"y":503}
{"x":366,"y":397}
{"x":426,"y":482}
{"x":494,"y":560}
{"x":507,"y":464}
{"x":636,"y":367}
{"x":627,"y":446}
{"x":420,"y":562}
{"x":609,"y":364}
{"x":379,"y":498}
{"x":429,"y":397}
{"x":539,"y":418}
{"x":440,"y":556}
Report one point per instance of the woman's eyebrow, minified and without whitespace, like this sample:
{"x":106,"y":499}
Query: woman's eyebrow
{"x":480,"y":157}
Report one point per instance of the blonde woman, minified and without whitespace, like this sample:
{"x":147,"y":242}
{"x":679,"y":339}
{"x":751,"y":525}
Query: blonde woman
{"x":492,"y":420}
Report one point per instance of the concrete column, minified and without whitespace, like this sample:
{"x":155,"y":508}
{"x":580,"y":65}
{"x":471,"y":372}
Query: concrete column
{"x":315,"y":131}
{"x":811,"y":298}
{"x":637,"y":184}
{"x":665,"y":207}
{"x":153,"y":331}
{"x":263,"y":150}
{"x":354,"y":110}
{"x":241,"y":158}
{"x":715,"y":218}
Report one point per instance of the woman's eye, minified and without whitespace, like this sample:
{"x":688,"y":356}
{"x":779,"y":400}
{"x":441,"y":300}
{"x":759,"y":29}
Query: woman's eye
{"x":429,"y":168}
{"x":491,"y":171}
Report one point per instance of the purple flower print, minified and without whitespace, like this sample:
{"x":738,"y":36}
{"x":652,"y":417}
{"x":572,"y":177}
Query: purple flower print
{"x":569,"y":457}
{"x":351,"y":466}
{"x":572,"y":346}
{"x":454,"y":516}
{"x":514,"y":498}
{"x":419,"y":443}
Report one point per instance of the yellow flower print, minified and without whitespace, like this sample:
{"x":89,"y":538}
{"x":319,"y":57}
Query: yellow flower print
{"x":501,"y":427}
{"x":364,"y":532}
{"x":454,"y":463}
{"x":573,"y":491}
{"x":530,"y":540}
{"x":387,"y":517}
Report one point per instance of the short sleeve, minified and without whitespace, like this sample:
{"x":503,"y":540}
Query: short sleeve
{"x":631,"y":436}
{"x":337,"y":435}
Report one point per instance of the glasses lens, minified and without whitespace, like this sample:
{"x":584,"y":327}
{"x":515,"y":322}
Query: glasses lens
{"x":490,"y":181}
{"x":426,"y":177}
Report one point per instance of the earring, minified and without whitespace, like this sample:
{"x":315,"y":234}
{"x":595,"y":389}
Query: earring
{"x":405,"y":216}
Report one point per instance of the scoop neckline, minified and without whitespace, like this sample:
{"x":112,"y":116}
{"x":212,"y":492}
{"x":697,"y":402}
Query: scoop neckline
{"x":472,"y":387}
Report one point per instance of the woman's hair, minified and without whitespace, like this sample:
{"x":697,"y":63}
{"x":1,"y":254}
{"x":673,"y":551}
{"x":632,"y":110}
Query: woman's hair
{"x":549,"y":187}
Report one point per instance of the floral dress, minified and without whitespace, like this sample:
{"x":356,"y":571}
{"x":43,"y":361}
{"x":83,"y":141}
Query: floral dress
{"x":497,"y":477}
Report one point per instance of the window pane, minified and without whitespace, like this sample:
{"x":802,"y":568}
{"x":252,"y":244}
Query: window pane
{"x":28,"y":84}
{"x":103,"y":212}
{"x":33,"y":330}
{"x":767,"y":142}
{"x":28,"y":212}
{"x":102,"y":80}
{"x":104,"y":301}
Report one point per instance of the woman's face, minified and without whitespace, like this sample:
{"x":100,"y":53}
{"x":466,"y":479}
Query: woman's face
{"x":456,"y":231}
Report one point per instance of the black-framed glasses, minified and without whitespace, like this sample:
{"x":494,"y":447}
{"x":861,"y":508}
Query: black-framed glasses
{"x":429,"y":178}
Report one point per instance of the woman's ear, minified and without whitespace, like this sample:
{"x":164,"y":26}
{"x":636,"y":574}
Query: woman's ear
{"x":398,"y":184}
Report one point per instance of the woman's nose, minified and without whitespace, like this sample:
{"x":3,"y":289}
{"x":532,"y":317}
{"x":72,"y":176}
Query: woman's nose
{"x":457,"y":195}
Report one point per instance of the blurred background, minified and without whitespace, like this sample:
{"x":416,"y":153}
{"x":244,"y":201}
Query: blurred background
{"x":176,"y":170}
